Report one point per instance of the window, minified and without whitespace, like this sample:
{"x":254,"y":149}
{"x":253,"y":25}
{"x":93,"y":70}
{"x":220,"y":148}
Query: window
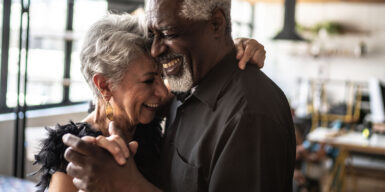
{"x":56,"y":30}
{"x":46,"y":53}
{"x":13,"y":54}
{"x":242,"y":15}
{"x":83,"y":19}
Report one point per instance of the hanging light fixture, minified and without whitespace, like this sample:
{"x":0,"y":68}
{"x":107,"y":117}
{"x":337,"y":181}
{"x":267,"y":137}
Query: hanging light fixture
{"x":288,"y":32}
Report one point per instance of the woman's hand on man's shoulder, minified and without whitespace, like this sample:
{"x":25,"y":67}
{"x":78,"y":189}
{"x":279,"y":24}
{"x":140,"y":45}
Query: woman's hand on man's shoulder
{"x":249,"y":51}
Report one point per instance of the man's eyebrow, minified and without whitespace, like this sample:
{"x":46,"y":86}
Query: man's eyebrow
{"x":164,"y":28}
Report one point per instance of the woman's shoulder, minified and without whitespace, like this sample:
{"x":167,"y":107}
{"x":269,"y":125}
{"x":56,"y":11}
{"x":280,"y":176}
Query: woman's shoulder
{"x":79,"y":129}
{"x":51,"y":154}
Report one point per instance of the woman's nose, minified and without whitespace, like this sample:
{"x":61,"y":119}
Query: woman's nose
{"x":161,"y":89}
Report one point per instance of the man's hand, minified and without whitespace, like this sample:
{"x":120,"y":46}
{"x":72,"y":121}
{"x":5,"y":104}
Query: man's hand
{"x":94,"y":169}
{"x":249,"y":50}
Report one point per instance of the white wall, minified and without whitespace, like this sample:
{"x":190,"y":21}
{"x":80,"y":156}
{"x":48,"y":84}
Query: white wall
{"x":37,"y":119}
{"x":285,"y":68}
{"x":6,"y":147}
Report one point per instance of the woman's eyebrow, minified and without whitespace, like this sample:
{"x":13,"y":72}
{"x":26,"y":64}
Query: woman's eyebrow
{"x":150,"y":74}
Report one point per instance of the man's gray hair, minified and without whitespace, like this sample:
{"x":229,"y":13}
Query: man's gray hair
{"x":110,"y":45}
{"x":202,"y":10}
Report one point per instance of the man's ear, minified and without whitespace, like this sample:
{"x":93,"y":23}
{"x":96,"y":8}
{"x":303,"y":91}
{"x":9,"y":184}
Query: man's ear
{"x":102,"y":85}
{"x":218,"y":22}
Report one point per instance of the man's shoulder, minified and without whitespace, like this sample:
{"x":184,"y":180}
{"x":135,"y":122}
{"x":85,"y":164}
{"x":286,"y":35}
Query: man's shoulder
{"x":256,"y":89}
{"x":252,"y":91}
{"x":256,"y":82}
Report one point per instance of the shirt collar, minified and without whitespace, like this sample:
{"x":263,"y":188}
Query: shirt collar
{"x":183,"y":96}
{"x":210,"y":87}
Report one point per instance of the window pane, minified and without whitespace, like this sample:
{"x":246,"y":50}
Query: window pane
{"x":241,"y":16}
{"x":13,"y":54}
{"x":46,"y":55}
{"x":86,"y":12}
{"x":46,"y":52}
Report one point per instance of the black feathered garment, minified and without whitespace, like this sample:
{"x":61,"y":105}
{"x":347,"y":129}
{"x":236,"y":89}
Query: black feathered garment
{"x":51,"y":155}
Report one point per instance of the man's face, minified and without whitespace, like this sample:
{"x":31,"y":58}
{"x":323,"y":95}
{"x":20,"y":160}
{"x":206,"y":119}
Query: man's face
{"x":180,"y":45}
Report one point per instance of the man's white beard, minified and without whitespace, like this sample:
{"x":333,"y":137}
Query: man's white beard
{"x":181,"y":83}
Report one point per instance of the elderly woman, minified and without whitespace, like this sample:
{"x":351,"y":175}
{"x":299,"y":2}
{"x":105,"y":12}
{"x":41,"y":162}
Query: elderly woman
{"x":128,"y":90}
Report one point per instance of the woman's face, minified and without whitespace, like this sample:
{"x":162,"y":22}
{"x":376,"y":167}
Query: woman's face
{"x":136,"y":99}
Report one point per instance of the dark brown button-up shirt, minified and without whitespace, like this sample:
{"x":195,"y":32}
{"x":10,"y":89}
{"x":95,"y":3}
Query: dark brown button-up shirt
{"x":234,"y":133}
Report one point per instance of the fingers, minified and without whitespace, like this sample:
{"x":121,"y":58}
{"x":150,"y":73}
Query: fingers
{"x":84,"y":186}
{"x":116,"y":146}
{"x":240,"y":49}
{"x":79,"y":184}
{"x":89,"y":139}
{"x":74,"y":170}
{"x":75,"y":157}
{"x":133,"y":145}
{"x":114,"y":130}
{"x":248,"y":53}
{"x":249,"y":50}
{"x":259,"y":57}
{"x":121,"y":143}
{"x":77,"y":144}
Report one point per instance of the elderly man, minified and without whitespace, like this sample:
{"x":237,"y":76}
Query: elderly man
{"x":229,"y":130}
{"x":234,"y":131}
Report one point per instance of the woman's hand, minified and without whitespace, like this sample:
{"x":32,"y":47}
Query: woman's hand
{"x":249,"y":50}
{"x":114,"y":144}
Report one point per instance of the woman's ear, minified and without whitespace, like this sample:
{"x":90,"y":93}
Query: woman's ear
{"x":102,"y":85}
{"x":218,"y":22}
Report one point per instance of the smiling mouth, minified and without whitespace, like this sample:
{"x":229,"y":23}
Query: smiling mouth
{"x":151,"y":106}
{"x":173,"y":67}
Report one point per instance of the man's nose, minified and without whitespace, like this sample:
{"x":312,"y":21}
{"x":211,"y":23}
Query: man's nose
{"x":157,"y":48}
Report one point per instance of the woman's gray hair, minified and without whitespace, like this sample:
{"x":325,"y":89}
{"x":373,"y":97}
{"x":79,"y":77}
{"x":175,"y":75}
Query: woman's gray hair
{"x":109,"y":46}
{"x":202,"y":10}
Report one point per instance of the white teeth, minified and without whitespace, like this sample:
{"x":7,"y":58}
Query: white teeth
{"x":171,"y":63}
{"x":152,"y":105}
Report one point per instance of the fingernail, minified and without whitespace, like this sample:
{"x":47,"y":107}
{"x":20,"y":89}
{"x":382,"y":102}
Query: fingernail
{"x":65,"y":137}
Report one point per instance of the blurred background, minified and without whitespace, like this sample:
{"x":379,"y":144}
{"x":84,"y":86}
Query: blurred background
{"x":328,"y":56}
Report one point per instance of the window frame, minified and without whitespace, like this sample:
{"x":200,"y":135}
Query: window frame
{"x":68,"y":45}
{"x":65,"y":101}
{"x":4,"y":55}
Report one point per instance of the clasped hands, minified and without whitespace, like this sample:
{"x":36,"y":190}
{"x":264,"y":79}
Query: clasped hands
{"x":104,"y":163}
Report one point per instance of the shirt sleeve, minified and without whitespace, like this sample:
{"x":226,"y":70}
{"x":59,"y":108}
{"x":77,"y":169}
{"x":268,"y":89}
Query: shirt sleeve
{"x":259,"y":155}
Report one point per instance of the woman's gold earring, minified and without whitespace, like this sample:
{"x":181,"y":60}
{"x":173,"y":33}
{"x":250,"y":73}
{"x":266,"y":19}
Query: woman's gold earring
{"x":109,"y":111}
